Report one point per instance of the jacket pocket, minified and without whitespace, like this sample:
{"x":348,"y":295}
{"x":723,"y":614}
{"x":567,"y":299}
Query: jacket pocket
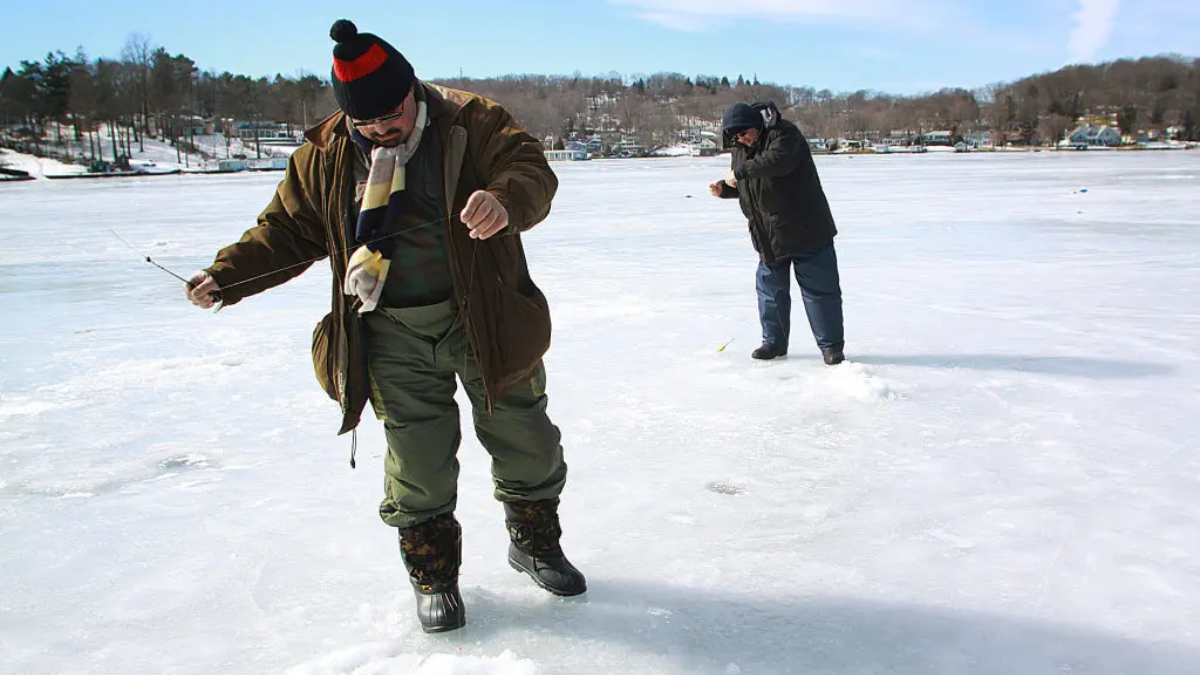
{"x":522,"y":331}
{"x":323,"y":352}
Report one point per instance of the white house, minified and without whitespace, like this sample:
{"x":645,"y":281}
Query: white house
{"x":896,"y":138}
{"x":1093,"y":136}
{"x":943,"y":138}
{"x":265,"y":131}
{"x":978,"y":139}
{"x":628,"y":147}
{"x":569,"y":154}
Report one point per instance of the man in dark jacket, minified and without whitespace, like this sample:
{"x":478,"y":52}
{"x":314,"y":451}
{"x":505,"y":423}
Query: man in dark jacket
{"x":418,"y":194}
{"x":775,"y":180}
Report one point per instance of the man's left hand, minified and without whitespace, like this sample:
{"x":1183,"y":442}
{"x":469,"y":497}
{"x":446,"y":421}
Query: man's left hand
{"x":731,"y":179}
{"x":484,"y":215}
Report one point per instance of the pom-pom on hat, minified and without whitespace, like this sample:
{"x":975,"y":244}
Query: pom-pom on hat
{"x":370,"y":78}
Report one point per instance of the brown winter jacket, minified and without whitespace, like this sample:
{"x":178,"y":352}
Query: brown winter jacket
{"x":506,"y":316}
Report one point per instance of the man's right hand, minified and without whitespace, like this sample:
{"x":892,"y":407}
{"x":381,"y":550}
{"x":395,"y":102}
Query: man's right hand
{"x":716,"y":188}
{"x":202,"y":290}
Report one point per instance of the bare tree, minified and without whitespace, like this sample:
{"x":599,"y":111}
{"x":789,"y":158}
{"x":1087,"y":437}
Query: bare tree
{"x":83,"y":102}
{"x":138,"y":53}
{"x":150,"y":89}
{"x":1053,"y":127}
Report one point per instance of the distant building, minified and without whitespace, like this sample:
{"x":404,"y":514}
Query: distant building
{"x":263,"y":131}
{"x":1095,"y":136}
{"x":896,"y":139}
{"x":571,"y":154}
{"x":232,"y":165}
{"x":193,"y":126}
{"x":939,"y":138}
{"x":710,"y":143}
{"x":1014,"y":137}
{"x":628,"y":147}
{"x":978,"y":139}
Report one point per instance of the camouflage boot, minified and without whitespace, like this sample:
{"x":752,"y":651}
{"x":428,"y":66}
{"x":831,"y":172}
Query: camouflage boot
{"x":534,"y":530}
{"x":432,"y":553}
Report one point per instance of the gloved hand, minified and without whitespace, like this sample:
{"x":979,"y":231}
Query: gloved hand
{"x":365,"y":275}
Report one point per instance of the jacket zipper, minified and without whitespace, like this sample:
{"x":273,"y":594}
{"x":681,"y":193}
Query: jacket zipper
{"x":763,"y":231}
{"x":465,"y":305}
{"x":344,"y":371}
{"x":466,"y":299}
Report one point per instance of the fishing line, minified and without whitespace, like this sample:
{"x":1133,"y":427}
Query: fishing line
{"x":147,"y":258}
{"x":340,"y":250}
{"x":281,"y":269}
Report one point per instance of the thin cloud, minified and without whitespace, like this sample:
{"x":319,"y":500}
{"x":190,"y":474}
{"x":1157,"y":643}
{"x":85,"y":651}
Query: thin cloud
{"x":694,"y":15}
{"x":684,"y":22}
{"x":1094,"y":24}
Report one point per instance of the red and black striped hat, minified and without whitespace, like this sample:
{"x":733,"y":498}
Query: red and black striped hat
{"x":370,"y":78}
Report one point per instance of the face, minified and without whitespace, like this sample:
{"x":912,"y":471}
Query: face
{"x":748,"y":137}
{"x":392,"y":129}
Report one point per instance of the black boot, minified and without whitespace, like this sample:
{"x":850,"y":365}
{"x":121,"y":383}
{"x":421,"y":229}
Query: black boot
{"x":768,"y":352}
{"x":534,"y":530}
{"x":833,"y":355}
{"x":432,"y":553}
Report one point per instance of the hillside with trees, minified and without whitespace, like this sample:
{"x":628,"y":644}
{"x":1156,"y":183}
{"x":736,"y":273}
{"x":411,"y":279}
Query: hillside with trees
{"x":147,"y":91}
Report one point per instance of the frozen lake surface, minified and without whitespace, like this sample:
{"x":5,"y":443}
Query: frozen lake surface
{"x":1002,"y":479}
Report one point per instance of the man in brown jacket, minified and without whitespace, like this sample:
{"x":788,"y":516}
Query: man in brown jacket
{"x":418,"y":194}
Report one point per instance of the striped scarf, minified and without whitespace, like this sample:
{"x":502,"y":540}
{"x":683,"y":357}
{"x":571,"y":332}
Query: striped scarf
{"x":382,"y":203}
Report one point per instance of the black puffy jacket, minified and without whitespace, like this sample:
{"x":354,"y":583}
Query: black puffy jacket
{"x":780,"y":192}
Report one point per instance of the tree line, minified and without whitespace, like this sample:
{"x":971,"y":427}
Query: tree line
{"x":146,"y":91}
{"x":149,"y":91}
{"x":1141,"y":96}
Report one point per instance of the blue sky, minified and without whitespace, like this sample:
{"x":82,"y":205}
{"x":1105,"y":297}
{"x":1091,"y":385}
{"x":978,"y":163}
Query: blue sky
{"x":899,"y":46}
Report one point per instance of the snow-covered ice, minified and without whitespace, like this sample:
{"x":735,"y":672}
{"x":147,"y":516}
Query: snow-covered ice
{"x":1002,"y":479}
{"x":151,"y":155}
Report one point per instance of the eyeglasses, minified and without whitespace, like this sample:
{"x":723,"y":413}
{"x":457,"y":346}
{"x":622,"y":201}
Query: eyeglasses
{"x":357,"y":124}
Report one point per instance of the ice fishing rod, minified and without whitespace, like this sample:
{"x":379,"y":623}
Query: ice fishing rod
{"x":148,"y":258}
{"x":335,"y":251}
{"x":215,"y":295}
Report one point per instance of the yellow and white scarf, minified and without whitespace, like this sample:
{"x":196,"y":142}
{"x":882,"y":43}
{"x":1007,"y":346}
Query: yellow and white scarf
{"x":382,"y":204}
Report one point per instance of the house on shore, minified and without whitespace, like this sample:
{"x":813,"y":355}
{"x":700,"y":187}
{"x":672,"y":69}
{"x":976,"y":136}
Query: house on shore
{"x":1095,"y":136}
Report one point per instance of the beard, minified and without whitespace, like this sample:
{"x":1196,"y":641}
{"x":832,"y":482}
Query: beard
{"x":388,"y":140}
